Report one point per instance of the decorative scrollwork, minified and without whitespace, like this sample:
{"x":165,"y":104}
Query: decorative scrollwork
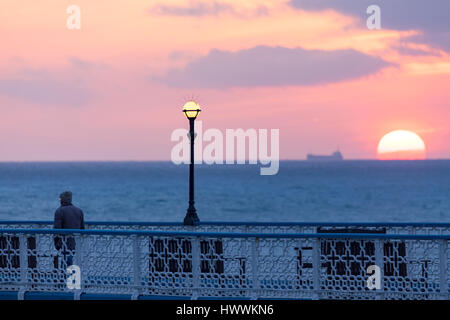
{"x":323,"y":265}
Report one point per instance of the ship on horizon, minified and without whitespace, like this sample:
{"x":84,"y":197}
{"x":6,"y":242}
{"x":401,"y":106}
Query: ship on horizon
{"x":335,"y":156}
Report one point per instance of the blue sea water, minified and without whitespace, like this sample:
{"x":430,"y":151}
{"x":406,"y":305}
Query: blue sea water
{"x":347,"y":191}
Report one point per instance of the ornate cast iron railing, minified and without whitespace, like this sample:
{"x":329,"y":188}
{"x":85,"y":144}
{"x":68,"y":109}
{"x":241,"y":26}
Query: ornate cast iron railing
{"x":329,"y":263}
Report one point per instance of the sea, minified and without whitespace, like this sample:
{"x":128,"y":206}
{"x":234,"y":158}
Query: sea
{"x":302,"y":191}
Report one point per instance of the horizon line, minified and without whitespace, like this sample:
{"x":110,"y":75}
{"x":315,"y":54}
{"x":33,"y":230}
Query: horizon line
{"x":303,"y":159}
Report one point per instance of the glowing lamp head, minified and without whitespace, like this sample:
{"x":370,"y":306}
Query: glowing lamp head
{"x":191,"y":109}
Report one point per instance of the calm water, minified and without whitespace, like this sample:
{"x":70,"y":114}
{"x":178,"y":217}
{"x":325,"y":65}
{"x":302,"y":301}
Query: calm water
{"x":301,"y":191}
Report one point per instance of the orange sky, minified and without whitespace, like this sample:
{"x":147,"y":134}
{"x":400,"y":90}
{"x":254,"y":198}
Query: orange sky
{"x":104,"y":93}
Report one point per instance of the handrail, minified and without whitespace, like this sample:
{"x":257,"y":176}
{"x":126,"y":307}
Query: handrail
{"x":228,"y":234}
{"x":243,"y":223}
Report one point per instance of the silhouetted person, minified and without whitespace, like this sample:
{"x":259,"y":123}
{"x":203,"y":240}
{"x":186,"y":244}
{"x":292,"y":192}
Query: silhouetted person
{"x":67,"y":216}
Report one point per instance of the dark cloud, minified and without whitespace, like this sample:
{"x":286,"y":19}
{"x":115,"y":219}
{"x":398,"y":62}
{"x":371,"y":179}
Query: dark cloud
{"x":431,"y":17}
{"x":408,"y":51}
{"x":440,"y":40}
{"x":80,"y":63}
{"x":180,"y":55}
{"x":274,"y":66}
{"x":398,"y":14}
{"x":197,"y":10}
{"x":200,"y":9}
{"x":67,"y":88}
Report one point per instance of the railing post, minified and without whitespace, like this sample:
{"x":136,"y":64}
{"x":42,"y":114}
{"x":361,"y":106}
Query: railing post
{"x":79,"y":261}
{"x":443,"y":259}
{"x":254,"y":252}
{"x":195,"y":267}
{"x":23,"y":266}
{"x":316,"y":268}
{"x":136,"y":268}
{"x":379,"y":262}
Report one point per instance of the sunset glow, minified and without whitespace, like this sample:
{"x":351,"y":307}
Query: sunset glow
{"x":315,"y":72}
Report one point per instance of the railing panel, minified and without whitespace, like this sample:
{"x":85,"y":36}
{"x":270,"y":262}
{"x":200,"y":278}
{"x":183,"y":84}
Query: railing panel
{"x":246,"y":265}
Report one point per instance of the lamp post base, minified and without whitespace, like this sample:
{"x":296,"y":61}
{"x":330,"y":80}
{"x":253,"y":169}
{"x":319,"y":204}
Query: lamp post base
{"x":191,"y":217}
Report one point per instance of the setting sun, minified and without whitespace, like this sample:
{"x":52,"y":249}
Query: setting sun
{"x":401,"y":145}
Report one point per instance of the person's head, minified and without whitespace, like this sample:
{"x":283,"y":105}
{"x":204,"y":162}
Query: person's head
{"x":66,"y":197}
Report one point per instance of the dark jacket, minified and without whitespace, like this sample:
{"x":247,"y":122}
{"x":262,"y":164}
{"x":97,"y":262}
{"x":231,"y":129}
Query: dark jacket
{"x":68,"y":217}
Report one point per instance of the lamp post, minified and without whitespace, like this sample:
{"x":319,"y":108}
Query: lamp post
{"x":191,"y":109}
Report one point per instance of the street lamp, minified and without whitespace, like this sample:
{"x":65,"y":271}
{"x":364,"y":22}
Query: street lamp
{"x":191,"y":109}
